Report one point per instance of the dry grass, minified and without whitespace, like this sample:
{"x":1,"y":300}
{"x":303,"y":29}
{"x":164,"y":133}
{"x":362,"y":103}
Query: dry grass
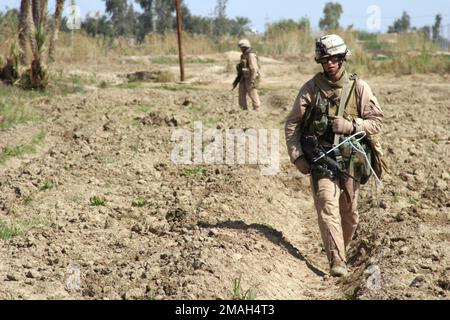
{"x":167,"y":44}
{"x":410,"y":53}
{"x":286,"y":43}
{"x":165,"y":76}
{"x":79,"y":47}
{"x":411,"y":63}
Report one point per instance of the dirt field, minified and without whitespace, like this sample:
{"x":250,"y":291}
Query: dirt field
{"x":157,"y":230}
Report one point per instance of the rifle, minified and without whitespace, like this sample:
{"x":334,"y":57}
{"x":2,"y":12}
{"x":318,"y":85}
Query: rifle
{"x":318,"y":159}
{"x":238,"y":77}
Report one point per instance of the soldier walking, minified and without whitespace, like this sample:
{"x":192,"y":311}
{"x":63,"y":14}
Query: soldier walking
{"x":248,"y":76}
{"x":330,"y":108}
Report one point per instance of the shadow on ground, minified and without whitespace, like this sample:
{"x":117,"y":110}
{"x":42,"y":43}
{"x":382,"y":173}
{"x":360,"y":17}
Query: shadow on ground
{"x":273,"y":235}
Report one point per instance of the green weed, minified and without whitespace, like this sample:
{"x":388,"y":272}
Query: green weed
{"x":193,"y":171}
{"x":352,"y":295}
{"x":27,"y":200}
{"x":97,"y":201}
{"x":135,"y":147}
{"x":13,"y":107}
{"x":7,"y":232}
{"x":238,"y":293}
{"x":9,"y":152}
{"x":48,"y":185}
{"x":22,"y":226}
{"x":139,"y":202}
{"x":262,"y":92}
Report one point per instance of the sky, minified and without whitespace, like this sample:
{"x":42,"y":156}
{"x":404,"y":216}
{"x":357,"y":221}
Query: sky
{"x":369,"y":15}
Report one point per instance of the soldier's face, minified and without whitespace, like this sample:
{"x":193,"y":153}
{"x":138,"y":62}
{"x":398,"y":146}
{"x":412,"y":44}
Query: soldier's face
{"x":331,"y":67}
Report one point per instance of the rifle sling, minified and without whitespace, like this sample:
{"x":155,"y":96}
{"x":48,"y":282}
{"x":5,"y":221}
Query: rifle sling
{"x":345,"y":95}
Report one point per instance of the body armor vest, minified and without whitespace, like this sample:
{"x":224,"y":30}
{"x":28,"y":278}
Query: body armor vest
{"x":244,"y":64}
{"x":325,"y":103}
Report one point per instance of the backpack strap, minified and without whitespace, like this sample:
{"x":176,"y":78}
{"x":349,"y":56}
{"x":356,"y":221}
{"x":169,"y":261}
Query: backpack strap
{"x":349,"y":82}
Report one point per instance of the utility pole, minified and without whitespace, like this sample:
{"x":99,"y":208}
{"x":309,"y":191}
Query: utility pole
{"x":448,"y":37}
{"x":180,"y":46}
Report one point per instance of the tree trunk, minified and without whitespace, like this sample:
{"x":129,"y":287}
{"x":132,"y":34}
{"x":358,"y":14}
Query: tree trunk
{"x":56,"y":25}
{"x":36,"y":10}
{"x":39,"y":9}
{"x":31,"y":29}
{"x":23,"y":30}
{"x":44,"y":14}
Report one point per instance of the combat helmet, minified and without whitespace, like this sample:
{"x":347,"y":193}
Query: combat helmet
{"x":244,"y":43}
{"x":330,"y":45}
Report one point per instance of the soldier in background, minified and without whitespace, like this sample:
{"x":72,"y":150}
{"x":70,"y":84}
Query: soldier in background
{"x":248,"y":76}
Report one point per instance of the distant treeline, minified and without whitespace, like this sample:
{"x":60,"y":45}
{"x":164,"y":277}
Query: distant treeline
{"x":159,"y":16}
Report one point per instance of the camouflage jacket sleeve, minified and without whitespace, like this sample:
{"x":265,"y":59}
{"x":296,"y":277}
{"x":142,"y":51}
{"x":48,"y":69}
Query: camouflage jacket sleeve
{"x":371,"y":120}
{"x":253,"y":66}
{"x":292,"y":125}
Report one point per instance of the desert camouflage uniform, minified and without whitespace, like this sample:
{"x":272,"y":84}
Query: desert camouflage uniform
{"x":247,"y":85}
{"x":335,"y":202}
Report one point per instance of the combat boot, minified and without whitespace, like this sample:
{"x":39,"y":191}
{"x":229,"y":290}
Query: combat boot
{"x":338,"y":267}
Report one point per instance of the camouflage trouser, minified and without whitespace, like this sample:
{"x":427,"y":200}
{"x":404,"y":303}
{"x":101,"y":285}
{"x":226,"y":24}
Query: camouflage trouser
{"x":245,"y":88}
{"x":337,"y":214}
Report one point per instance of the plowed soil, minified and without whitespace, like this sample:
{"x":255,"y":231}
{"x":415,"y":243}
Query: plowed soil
{"x":168,"y":231}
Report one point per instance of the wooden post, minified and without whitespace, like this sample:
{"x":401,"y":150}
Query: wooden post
{"x":180,"y":46}
{"x":448,"y":37}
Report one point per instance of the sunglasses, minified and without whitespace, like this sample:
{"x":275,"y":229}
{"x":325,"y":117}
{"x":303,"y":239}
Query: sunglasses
{"x":333,"y":59}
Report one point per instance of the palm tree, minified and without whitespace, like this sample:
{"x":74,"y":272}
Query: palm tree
{"x":31,"y":27}
{"x":43,"y":13}
{"x":56,"y":25}
{"x":23,"y":30}
{"x":39,"y":9}
{"x":36,"y":77}
{"x":32,"y":30}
